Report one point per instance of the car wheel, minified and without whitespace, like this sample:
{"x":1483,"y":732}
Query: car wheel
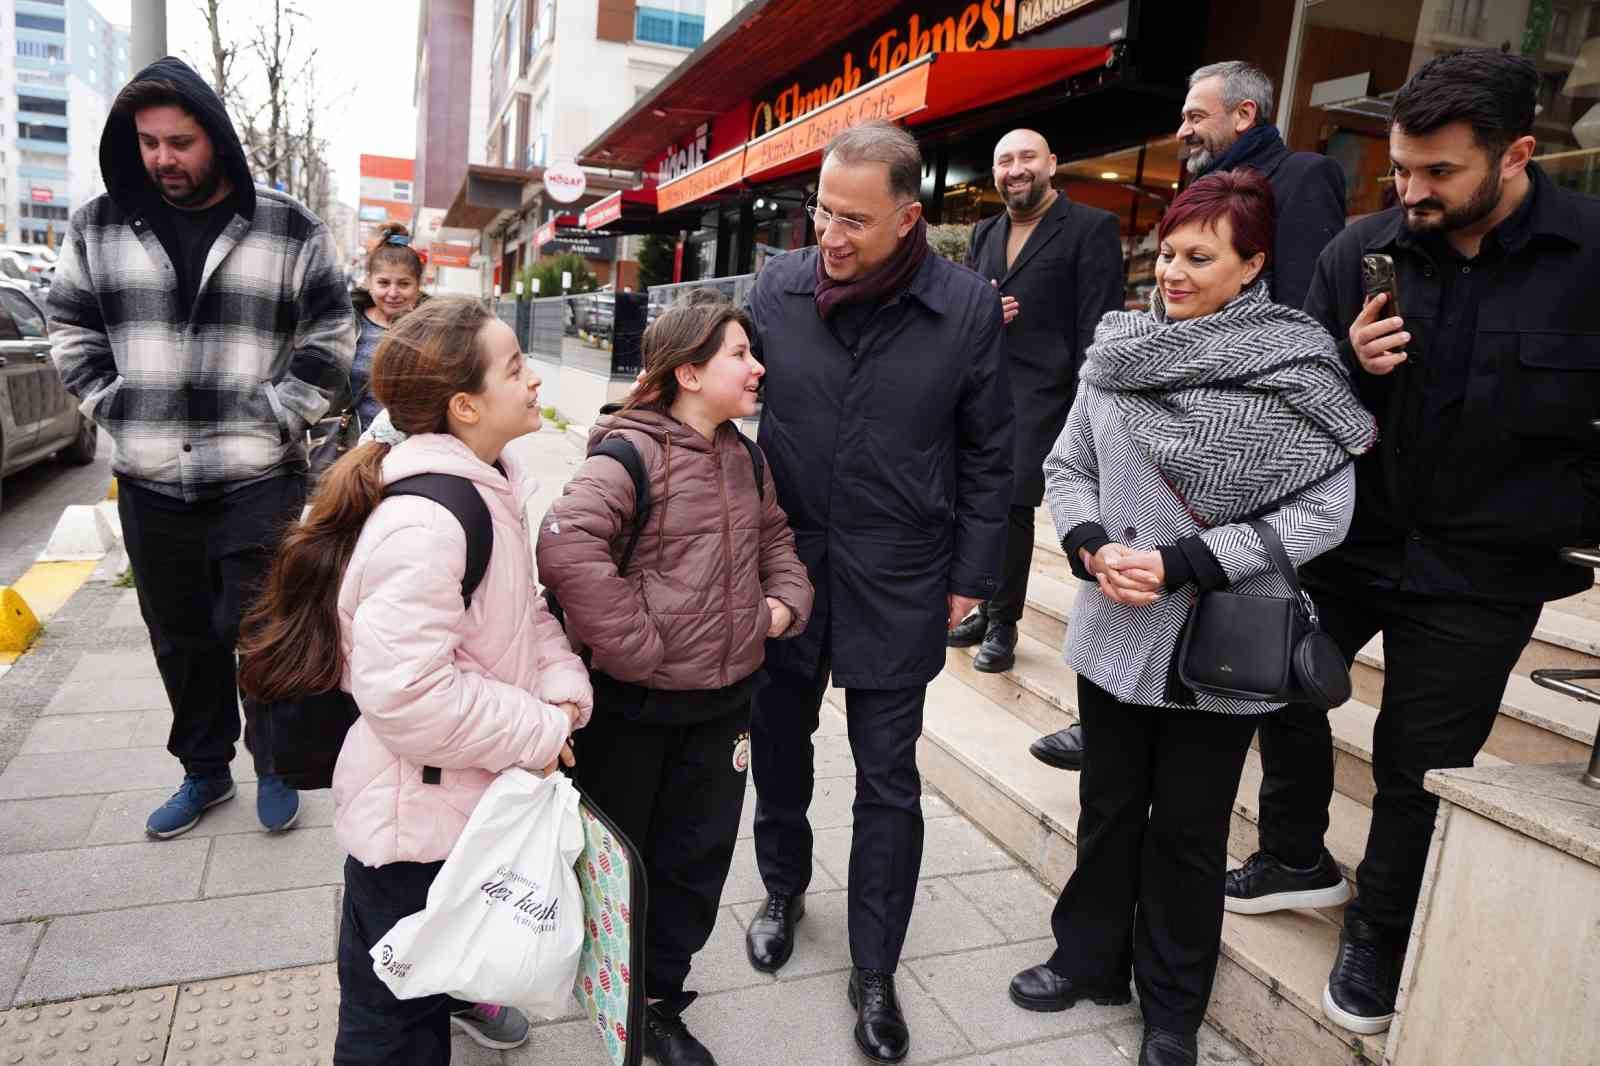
{"x":81,"y":451}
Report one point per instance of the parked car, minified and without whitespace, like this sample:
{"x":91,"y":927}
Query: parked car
{"x":38,"y":417}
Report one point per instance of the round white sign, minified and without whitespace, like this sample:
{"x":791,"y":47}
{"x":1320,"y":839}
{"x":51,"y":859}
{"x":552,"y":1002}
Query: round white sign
{"x":565,"y":182}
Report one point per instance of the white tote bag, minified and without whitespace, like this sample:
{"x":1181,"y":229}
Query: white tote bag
{"x":504,"y":920}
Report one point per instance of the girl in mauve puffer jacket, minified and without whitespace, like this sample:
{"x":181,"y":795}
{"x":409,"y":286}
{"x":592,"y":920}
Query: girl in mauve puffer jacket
{"x":678,"y":639}
{"x":366,"y":594}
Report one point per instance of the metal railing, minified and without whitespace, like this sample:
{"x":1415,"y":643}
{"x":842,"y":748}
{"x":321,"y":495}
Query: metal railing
{"x":597,"y":331}
{"x":735,"y":288}
{"x":1565,"y":681}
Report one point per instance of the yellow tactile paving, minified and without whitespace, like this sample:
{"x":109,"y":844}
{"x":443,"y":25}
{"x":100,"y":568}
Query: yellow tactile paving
{"x":128,"y":1029}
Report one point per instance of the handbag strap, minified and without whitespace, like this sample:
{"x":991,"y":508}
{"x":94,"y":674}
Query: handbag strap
{"x":1280,"y":558}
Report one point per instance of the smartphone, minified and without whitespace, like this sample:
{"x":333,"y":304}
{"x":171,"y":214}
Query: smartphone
{"x":1377,"y":275}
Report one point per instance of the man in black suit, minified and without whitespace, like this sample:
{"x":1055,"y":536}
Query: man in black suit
{"x":1227,"y":123}
{"x":1058,"y":266}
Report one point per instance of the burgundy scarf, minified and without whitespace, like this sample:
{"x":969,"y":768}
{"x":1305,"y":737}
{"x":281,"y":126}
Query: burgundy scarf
{"x":892,"y":277}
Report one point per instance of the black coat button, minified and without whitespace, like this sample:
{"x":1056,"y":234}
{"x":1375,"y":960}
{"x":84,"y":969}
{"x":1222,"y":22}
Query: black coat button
{"x":187,"y":448}
{"x":1130,"y":533}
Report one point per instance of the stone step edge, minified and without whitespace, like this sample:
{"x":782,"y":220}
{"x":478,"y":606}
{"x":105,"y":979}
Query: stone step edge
{"x":1348,"y":819}
{"x":1256,"y":947}
{"x":1556,"y":627}
{"x":1523,"y":700}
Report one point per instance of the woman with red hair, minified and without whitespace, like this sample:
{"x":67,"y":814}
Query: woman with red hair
{"x":1215,"y":407}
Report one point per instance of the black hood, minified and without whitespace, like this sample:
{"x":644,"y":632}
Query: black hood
{"x":123,"y":169}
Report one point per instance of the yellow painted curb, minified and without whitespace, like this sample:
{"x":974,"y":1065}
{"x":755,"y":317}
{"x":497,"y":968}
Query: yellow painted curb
{"x":37,"y":595}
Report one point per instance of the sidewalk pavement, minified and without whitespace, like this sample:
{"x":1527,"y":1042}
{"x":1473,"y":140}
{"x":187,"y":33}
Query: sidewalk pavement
{"x":216,"y":947}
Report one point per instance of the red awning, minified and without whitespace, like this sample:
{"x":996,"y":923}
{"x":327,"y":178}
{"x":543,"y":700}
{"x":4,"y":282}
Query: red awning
{"x":934,"y":87}
{"x":603,"y":214}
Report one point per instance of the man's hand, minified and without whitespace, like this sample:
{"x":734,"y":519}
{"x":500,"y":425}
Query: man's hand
{"x":1126,"y":576}
{"x":574,"y":714}
{"x":782,"y":617}
{"x":960,"y":607}
{"x":1008,"y":304}
{"x":1379,"y":344}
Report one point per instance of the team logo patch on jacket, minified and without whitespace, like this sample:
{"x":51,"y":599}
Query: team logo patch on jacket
{"x":741,"y":753}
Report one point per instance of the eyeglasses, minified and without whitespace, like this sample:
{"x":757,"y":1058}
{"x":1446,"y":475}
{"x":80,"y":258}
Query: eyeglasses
{"x":822,"y":218}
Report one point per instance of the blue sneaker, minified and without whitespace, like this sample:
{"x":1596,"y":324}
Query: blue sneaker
{"x":182,"y":812}
{"x":277,"y":805}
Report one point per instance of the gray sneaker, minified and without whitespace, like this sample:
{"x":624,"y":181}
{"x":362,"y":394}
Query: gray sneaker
{"x":499,"y":1028}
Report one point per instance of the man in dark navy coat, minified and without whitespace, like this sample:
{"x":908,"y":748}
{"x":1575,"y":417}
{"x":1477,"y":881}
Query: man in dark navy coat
{"x":1059,"y":267}
{"x":1227,"y":123}
{"x":888,"y":428}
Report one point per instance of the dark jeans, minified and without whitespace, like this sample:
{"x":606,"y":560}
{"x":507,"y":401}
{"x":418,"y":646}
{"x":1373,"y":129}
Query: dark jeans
{"x":1007,"y":602}
{"x":197,"y":567}
{"x":886,"y":841}
{"x":1446,"y":663}
{"x":676,"y":792}
{"x":1157,"y":796}
{"x":375,"y":1028}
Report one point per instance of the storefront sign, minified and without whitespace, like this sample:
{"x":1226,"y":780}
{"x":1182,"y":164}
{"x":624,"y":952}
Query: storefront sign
{"x":932,"y":26}
{"x":602,"y":212}
{"x":451,"y":255}
{"x":891,"y":98}
{"x":565,"y":182}
{"x":41,"y":195}
{"x":717,"y":174}
{"x":585,"y":242}
{"x":682,"y":158}
{"x":544,"y":234}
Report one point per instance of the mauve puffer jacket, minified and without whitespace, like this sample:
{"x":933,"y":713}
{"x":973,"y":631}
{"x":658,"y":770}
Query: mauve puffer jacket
{"x":470,"y":690}
{"x":691,"y":612}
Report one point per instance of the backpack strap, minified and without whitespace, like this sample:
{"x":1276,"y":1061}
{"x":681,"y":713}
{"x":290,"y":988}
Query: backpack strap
{"x":622,"y":450}
{"x":460,"y":497}
{"x":758,"y":461}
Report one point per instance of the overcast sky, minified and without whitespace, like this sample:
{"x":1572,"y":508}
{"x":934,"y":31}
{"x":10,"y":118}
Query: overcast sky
{"x":370,"y":45}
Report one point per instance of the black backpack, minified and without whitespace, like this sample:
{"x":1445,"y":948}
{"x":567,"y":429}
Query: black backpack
{"x":622,"y":450}
{"x":299,"y":739}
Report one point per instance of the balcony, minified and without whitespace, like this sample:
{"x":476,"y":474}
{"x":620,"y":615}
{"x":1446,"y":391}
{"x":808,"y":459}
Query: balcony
{"x":29,"y":144}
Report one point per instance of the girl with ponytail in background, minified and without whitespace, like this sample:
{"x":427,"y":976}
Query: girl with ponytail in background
{"x":366,"y":595}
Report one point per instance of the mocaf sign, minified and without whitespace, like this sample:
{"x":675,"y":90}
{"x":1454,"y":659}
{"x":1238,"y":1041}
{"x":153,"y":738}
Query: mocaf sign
{"x":977,"y":26}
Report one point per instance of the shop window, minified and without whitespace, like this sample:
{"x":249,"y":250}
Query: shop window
{"x":1355,"y":43}
{"x":680,"y":23}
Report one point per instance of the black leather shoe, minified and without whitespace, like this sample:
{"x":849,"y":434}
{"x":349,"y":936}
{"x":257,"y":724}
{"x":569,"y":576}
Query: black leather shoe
{"x":1264,"y":884}
{"x":667,"y":1041}
{"x":880,"y":1027}
{"x":1163,"y":1047}
{"x":1365,"y":980}
{"x":999,"y":651}
{"x":969,"y":631}
{"x":770,"y":939}
{"x":1039,"y":988}
{"x":1062,"y":749}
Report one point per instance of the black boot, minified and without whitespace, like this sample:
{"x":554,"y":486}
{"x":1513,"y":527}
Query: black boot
{"x":969,"y":631}
{"x":1163,"y":1047}
{"x":880,"y":1026}
{"x":999,"y":651}
{"x":1062,"y":749}
{"x":667,"y":1040}
{"x":770,"y":939}
{"x":1365,"y":980}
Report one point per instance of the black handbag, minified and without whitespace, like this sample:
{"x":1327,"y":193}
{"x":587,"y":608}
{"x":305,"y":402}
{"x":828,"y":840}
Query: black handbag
{"x":333,"y":435}
{"x":1268,"y":649}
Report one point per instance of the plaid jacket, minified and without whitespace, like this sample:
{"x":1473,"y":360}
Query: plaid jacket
{"x":200,"y":406}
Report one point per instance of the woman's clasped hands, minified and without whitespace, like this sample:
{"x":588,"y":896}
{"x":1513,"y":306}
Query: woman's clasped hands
{"x":1126,"y":575}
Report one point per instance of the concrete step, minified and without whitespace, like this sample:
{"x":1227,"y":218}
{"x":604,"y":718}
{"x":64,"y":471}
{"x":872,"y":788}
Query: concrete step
{"x":1273,"y":967}
{"x":1042,"y":693}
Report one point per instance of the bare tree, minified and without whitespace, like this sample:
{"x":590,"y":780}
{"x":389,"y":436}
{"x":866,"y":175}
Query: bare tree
{"x":222,"y":56}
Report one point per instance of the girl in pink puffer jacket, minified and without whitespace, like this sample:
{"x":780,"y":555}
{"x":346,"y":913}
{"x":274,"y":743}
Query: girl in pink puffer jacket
{"x":366,"y":594}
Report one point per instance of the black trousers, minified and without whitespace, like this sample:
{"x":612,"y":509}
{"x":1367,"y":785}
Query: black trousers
{"x":1446,"y":663}
{"x":676,"y":792}
{"x":1156,"y":798}
{"x":1007,"y":602}
{"x":197,"y":567}
{"x":886,"y":840}
{"x":375,"y":1028}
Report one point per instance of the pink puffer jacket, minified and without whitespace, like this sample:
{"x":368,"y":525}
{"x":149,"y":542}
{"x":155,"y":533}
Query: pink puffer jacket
{"x":471,"y":691}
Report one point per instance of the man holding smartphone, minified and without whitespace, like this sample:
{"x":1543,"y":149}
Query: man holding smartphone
{"x":1482,"y":364}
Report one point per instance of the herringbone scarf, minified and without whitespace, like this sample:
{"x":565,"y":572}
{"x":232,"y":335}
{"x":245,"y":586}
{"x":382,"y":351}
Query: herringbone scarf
{"x":1239,"y":409}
